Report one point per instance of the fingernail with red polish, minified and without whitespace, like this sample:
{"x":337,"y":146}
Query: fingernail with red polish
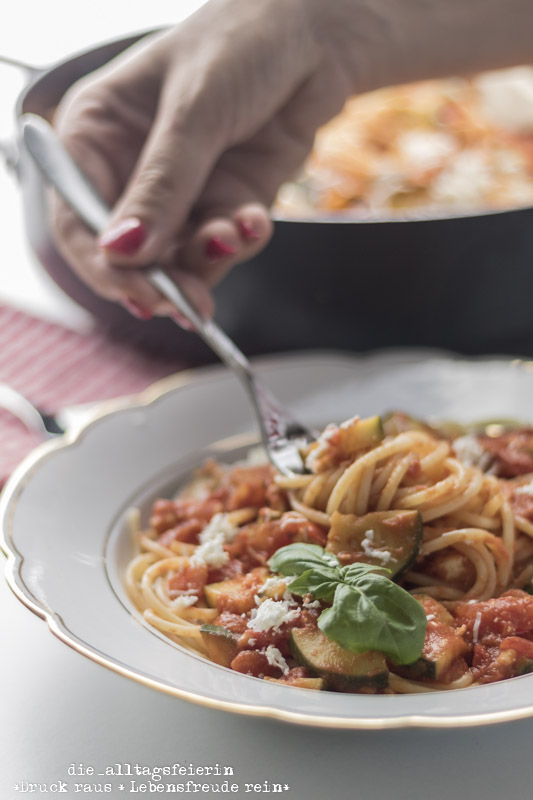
{"x":136,"y":310}
{"x":182,"y":321}
{"x":124,"y":237}
{"x":216,"y":248}
{"x":247,"y":231}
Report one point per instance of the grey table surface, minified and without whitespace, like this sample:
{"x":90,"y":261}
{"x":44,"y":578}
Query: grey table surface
{"x":62,"y":713}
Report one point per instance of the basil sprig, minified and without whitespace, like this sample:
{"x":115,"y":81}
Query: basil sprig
{"x":368,"y":610}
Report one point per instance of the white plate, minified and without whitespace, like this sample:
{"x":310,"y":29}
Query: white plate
{"x":64,"y":511}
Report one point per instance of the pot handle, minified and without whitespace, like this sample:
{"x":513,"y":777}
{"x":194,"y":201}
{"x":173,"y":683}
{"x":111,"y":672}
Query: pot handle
{"x":8,"y":147}
{"x":31,"y":70}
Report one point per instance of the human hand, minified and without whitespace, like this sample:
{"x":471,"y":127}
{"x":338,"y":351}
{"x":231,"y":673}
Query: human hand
{"x":188,"y":137}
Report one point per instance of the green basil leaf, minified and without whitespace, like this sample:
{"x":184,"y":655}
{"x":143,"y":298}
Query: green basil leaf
{"x":294,"y":559}
{"x":353,"y":572}
{"x":377,"y":614}
{"x":321,"y":583}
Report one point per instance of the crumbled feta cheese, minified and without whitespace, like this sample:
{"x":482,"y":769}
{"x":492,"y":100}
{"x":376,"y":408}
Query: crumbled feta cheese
{"x":475,"y":629}
{"x":526,"y":488}
{"x":321,"y":448}
{"x":271,"y":614}
{"x":184,"y":601}
{"x":367,"y":544}
{"x":251,"y":642}
{"x":219,"y":525}
{"x":469,"y":451}
{"x":275,"y":658}
{"x":275,"y":584}
{"x":425,"y":149}
{"x":507,"y":98}
{"x":465,"y":180}
{"x":211,"y":551}
{"x":312,"y":604}
{"x":429,"y":617}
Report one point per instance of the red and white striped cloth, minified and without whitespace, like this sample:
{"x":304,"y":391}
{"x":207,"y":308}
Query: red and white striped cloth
{"x":55,"y":367}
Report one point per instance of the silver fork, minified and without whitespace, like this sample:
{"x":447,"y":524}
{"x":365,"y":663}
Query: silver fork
{"x":282,"y":436}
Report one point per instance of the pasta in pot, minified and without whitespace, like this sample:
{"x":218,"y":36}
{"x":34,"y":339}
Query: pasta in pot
{"x":433,"y":146}
{"x":400,"y":562}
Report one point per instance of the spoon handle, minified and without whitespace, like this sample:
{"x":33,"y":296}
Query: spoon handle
{"x":278,"y":428}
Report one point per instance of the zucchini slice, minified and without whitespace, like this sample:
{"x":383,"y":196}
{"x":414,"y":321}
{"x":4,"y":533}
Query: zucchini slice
{"x":236,"y":593}
{"x":342,"y":670}
{"x":221,"y":644}
{"x":360,"y":434}
{"x":388,"y":539}
{"x":215,"y":591}
{"x":442,"y":644}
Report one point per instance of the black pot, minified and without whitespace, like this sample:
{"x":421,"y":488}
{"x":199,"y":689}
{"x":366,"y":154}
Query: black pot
{"x":462,"y":283}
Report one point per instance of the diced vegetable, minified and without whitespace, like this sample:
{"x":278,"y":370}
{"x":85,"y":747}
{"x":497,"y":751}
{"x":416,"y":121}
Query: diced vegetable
{"x":442,"y":645}
{"x":361,"y":433}
{"x":236,"y":594}
{"x":388,"y":539}
{"x":221,"y":644}
{"x":342,"y":670}
{"x":215,"y":591}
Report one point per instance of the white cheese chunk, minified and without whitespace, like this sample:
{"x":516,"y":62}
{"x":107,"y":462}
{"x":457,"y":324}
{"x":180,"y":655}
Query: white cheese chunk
{"x":271,"y":614}
{"x":184,"y":601}
{"x":469,"y":451}
{"x":275,"y":658}
{"x":372,"y":552}
{"x":465,"y":180}
{"x":321,"y":448}
{"x":526,"y":488}
{"x":211,"y":551}
{"x":275,"y":584}
{"x":425,"y":149}
{"x":475,"y":629}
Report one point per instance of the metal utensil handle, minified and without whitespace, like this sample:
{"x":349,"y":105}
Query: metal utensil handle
{"x":79,"y":193}
{"x":31,"y":69}
{"x":278,"y":429}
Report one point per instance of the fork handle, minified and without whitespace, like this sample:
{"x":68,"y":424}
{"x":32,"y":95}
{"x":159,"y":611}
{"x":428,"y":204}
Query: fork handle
{"x":63,"y":173}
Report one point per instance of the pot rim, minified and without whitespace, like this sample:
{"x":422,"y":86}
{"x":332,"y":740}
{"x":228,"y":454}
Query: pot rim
{"x":341,"y":219}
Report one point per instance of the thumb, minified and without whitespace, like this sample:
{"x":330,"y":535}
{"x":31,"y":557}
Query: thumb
{"x":172,"y":168}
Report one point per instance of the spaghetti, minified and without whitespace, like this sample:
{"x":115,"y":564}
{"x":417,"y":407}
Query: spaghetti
{"x":449,"y":516}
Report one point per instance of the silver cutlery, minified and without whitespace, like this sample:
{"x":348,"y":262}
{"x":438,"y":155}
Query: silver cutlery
{"x":33,"y":418}
{"x":282,"y":436}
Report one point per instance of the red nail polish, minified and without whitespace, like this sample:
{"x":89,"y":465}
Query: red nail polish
{"x":182,"y":321}
{"x":124,"y":237}
{"x":136,"y":310}
{"x":247,"y":231}
{"x":216,"y":248}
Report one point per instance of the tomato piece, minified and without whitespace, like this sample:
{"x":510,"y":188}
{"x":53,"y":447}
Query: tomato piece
{"x":235,"y":623}
{"x":168,"y":514}
{"x":510,"y":614}
{"x":250,"y":662}
{"x":231,"y":569}
{"x":512,"y":451}
{"x":188,"y":581}
{"x":183,"y":532}
{"x":521,"y":646}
